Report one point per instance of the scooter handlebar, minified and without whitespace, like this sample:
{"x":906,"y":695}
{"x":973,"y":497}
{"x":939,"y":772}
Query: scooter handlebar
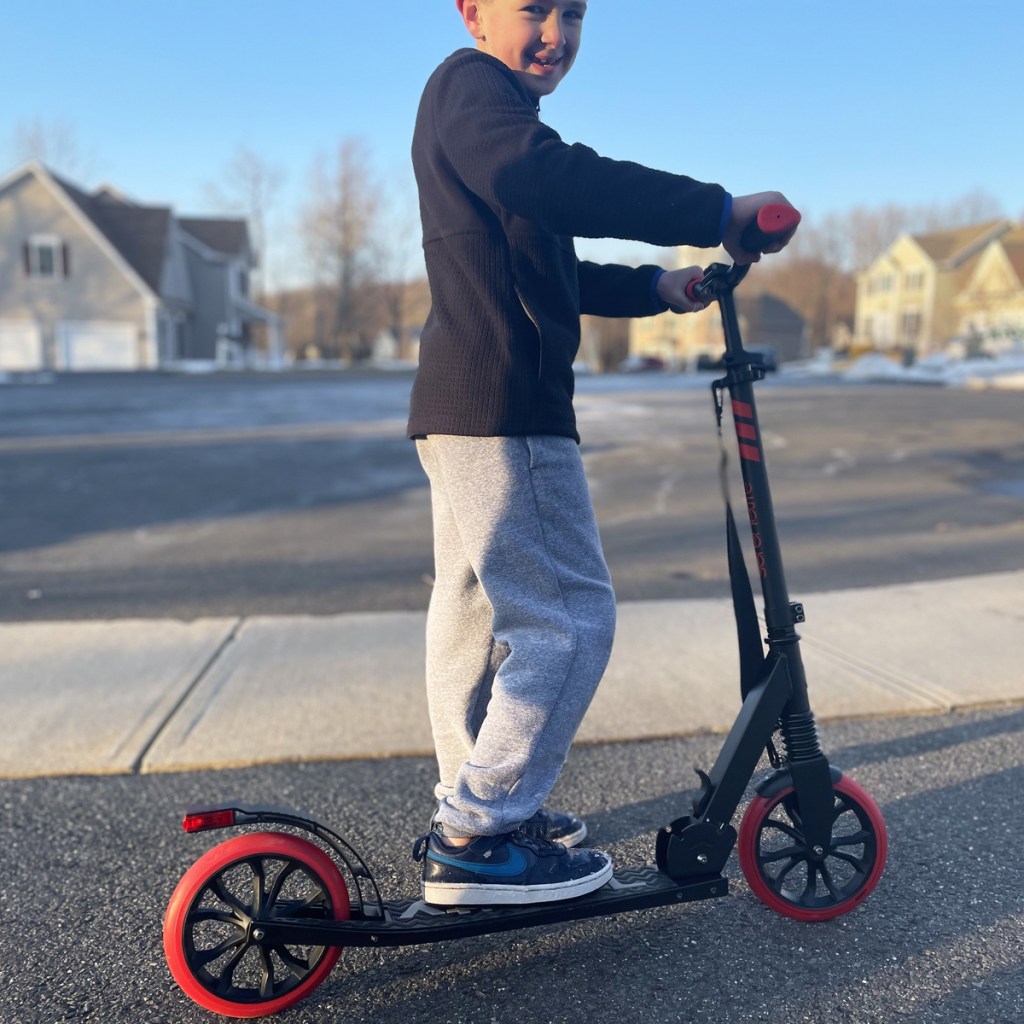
{"x":774,"y":221}
{"x":693,"y":290}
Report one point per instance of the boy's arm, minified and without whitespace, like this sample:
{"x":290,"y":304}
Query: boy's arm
{"x":608,"y":289}
{"x":492,"y":138}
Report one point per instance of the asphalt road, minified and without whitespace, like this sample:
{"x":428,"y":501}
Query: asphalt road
{"x":89,"y":864}
{"x":163,"y":496}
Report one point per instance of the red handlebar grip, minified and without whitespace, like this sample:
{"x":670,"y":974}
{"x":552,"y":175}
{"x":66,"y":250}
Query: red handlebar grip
{"x":773,"y":221}
{"x":777,"y":219}
{"x":691,"y":289}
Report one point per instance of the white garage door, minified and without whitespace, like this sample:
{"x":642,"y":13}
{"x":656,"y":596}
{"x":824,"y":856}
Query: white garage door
{"x":97,"y":345}
{"x":21,"y":346}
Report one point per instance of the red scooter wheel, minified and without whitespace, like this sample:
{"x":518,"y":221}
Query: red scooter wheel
{"x":210,"y":929}
{"x":806,"y":884}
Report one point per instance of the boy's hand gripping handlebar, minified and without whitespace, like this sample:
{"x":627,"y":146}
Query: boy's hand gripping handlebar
{"x":774,"y":221}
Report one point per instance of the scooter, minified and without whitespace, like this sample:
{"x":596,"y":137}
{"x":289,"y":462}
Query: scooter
{"x":257,"y":922}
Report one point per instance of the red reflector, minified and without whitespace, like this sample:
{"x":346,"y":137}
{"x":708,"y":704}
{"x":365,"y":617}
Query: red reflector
{"x":743,"y":409}
{"x":750,"y":453}
{"x":200,"y":821}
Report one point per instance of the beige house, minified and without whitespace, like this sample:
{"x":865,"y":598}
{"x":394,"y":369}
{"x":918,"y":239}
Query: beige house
{"x":990,"y":306}
{"x":914,"y":297}
{"x":766,"y":322}
{"x":95,"y":281}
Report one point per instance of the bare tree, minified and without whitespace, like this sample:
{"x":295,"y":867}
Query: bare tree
{"x":251,"y":186}
{"x":815,"y":275}
{"x":971,"y":208}
{"x":398,"y":258}
{"x":54,"y":143}
{"x":338,"y":226}
{"x":831,"y":261}
{"x":870,"y":231}
{"x":604,"y":341}
{"x":821,"y":292}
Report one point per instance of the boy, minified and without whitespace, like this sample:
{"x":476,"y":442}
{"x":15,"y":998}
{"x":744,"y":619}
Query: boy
{"x":522,"y":613}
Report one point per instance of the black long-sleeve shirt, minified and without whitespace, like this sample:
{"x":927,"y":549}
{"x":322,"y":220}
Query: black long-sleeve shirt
{"x":501,"y":199}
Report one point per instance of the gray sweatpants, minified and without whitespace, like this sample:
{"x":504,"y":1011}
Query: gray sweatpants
{"x":520,"y":624}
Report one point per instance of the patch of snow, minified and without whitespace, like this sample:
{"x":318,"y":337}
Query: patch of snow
{"x":1004,"y":372}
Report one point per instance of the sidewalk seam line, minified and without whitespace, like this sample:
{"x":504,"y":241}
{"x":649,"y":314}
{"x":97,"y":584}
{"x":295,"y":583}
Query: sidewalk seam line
{"x":936,"y":695}
{"x":139,"y":760}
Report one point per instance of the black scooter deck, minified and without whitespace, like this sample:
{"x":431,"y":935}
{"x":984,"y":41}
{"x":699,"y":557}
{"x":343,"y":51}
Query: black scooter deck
{"x":410,"y":922}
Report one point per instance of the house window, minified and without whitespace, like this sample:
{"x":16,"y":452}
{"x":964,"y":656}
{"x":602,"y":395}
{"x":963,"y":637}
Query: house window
{"x":911,"y":324}
{"x":915,"y":280}
{"x":46,"y":256}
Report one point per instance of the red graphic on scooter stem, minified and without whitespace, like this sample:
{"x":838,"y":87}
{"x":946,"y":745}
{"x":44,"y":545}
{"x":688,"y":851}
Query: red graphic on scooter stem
{"x":746,"y":431}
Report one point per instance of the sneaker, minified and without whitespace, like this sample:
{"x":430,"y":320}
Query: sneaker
{"x":556,"y":827}
{"x":513,"y":868}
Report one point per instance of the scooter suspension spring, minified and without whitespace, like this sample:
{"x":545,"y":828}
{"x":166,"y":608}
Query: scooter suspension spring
{"x":800,"y":736}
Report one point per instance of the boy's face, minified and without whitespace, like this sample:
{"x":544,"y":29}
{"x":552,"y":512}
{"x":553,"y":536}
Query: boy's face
{"x":538,"y":41}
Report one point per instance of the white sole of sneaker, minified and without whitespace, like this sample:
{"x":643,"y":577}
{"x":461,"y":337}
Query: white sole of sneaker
{"x":473,"y":894}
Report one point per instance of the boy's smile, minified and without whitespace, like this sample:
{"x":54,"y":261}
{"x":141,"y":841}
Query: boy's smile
{"x":538,"y":41}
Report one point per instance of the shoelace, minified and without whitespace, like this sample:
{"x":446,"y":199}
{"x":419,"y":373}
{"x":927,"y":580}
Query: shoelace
{"x":541,"y":847}
{"x":539,"y":824}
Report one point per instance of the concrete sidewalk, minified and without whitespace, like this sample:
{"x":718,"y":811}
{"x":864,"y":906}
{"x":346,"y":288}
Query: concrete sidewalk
{"x":143,"y":695}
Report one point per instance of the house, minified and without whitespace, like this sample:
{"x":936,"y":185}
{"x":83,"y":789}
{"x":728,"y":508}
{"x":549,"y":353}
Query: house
{"x":925,"y":290}
{"x":96,"y":281}
{"x":766,"y":322}
{"x":990,"y":306}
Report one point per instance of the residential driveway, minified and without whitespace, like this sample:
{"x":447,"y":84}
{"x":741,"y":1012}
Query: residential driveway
{"x":89,"y":864}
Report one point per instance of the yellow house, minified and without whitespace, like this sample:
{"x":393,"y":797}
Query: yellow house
{"x":907,"y":298}
{"x":990,"y":307}
{"x":678,"y":340}
{"x":766,"y":322}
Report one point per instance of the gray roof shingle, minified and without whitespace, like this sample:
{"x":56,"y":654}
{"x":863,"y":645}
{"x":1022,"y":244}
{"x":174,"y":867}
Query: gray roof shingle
{"x":138,"y":233}
{"x":228,"y":235}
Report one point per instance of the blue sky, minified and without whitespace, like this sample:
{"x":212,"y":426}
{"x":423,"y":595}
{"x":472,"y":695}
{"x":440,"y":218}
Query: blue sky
{"x":837,"y":104}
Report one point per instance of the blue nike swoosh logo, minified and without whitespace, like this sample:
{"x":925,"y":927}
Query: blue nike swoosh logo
{"x":515,"y":864}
